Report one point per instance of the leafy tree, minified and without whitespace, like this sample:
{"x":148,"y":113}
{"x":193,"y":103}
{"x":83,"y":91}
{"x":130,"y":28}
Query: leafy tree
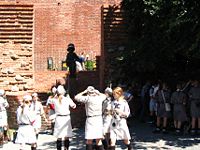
{"x":164,"y":37}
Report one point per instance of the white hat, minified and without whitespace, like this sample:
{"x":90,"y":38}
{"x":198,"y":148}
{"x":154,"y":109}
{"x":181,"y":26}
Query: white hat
{"x":61,"y":90}
{"x":54,"y":90}
{"x":2,"y":92}
{"x":108,"y":90}
{"x":27,"y":98}
{"x":35,"y":95}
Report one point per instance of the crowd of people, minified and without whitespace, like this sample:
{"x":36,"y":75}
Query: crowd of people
{"x":106,"y":113}
{"x":171,"y":108}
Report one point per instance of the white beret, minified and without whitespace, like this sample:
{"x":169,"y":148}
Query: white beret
{"x":27,"y":98}
{"x":54,"y":90}
{"x":35,"y":95}
{"x":61,"y":90}
{"x":108,"y":90}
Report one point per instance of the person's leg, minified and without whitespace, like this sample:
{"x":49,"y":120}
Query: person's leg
{"x":128,"y":144}
{"x":52,"y":127}
{"x":112,"y":143}
{"x":198,"y":126}
{"x":193,"y":125}
{"x":66,"y":143}
{"x":99,"y":144}
{"x":164,"y":130}
{"x":59,"y":144}
{"x":157,"y":130}
{"x":175,"y":124}
{"x":5,"y":134}
{"x":89,"y":145}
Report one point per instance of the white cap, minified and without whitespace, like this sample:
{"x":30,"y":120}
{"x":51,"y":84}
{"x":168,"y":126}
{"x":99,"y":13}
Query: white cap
{"x":108,"y":90}
{"x":61,"y":90}
{"x":35,"y":95}
{"x":2,"y":92}
{"x":54,"y":90}
{"x":27,"y":98}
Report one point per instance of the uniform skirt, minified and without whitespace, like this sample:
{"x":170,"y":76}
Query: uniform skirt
{"x":180,"y":112}
{"x":3,"y":118}
{"x":38,"y":122}
{"x":161,"y":112}
{"x":94,"y":127}
{"x":63,"y":127}
{"x":25,"y":134}
{"x":120,"y":131}
{"x":195,"y":109}
{"x":106,"y":123}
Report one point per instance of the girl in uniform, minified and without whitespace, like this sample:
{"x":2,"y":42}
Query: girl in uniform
{"x":194,"y":96}
{"x":3,"y":117}
{"x":50,"y":107}
{"x":25,"y":120}
{"x":94,"y":123}
{"x":120,"y":111}
{"x":63,"y":128}
{"x":178,"y":99}
{"x":37,"y":108}
{"x":162,"y":98}
{"x":107,"y":116}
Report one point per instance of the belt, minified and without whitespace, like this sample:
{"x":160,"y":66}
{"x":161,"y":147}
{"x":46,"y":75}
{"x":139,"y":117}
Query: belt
{"x":93,"y":116}
{"x":62,"y":115}
{"x":23,"y":124}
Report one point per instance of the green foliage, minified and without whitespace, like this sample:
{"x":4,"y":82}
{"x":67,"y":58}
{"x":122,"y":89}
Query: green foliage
{"x":164,"y":38}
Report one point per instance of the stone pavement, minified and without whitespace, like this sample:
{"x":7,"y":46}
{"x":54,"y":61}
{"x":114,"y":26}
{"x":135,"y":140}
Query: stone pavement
{"x":142,"y":134}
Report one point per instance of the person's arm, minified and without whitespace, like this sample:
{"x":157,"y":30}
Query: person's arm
{"x":43,"y":113}
{"x":71,"y":103}
{"x":76,"y":58}
{"x":80,"y":97}
{"x":125,"y":112}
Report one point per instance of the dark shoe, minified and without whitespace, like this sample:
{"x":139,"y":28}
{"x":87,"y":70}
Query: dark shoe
{"x":112,"y":147}
{"x":33,"y":148}
{"x":129,"y":147}
{"x":66,"y":144}
{"x":192,"y":132}
{"x":164,"y":131}
{"x":59,"y":144}
{"x":157,"y":130}
{"x":100,"y":147}
{"x":89,"y":147}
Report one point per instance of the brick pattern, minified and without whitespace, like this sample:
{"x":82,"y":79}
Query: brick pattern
{"x":115,"y":37}
{"x":16,"y":49}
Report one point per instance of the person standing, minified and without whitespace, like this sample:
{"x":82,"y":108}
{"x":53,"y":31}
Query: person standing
{"x":144,"y":95}
{"x":62,"y":128}
{"x":120,"y":112}
{"x":152,"y":104}
{"x":50,"y":107}
{"x":71,"y":59}
{"x":37,"y":108}
{"x":107,"y":117}
{"x":194,"y":97}
{"x":178,"y":99}
{"x":93,"y":100}
{"x":163,"y":98}
{"x":25,"y":119}
{"x":3,"y":116}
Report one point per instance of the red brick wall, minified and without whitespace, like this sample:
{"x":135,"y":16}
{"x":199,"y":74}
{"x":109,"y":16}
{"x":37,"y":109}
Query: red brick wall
{"x":58,"y":23}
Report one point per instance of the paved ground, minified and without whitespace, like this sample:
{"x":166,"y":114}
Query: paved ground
{"x":141,"y":132}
